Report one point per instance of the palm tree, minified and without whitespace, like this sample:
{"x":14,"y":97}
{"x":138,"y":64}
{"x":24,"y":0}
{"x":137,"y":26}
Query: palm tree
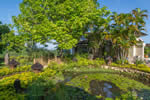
{"x":125,"y":28}
{"x":139,"y":19}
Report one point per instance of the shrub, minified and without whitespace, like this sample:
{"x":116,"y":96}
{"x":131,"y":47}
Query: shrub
{"x":54,"y":65}
{"x":7,"y":91}
{"x":40,"y":88}
{"x":138,"y":61}
{"x":23,"y":60}
{"x":122,"y":61}
{"x":6,"y":71}
{"x":140,"y":67}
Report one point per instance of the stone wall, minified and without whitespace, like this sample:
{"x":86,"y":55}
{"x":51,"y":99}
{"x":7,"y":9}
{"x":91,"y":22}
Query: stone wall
{"x":143,"y":77}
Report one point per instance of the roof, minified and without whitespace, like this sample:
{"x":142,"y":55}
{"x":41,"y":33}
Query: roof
{"x":83,"y":42}
{"x":141,"y":34}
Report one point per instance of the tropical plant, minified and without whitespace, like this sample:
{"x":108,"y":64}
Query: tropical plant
{"x":98,"y":30}
{"x":125,"y":29}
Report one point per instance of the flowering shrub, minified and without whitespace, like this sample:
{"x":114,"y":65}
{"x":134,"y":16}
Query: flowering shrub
{"x":6,"y":71}
{"x":7,"y":91}
{"x":47,"y":73}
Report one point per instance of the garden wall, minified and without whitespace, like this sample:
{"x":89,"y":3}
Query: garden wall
{"x":132,"y":73}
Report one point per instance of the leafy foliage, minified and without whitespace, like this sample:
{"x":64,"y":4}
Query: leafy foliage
{"x":40,"y":22}
{"x":125,"y":29}
{"x":13,"y":42}
{"x":7,"y":90}
{"x":4,"y":29}
{"x":7,"y":71}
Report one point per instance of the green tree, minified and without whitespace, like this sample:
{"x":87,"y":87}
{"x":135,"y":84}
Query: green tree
{"x":13,"y":42}
{"x":4,"y":29}
{"x":139,"y":17}
{"x":60,"y":20}
{"x":98,"y":30}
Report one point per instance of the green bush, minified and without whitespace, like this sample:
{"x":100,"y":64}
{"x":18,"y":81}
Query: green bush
{"x":39,"y":88}
{"x":122,"y":61}
{"x":23,"y":60}
{"x":138,"y":61}
{"x":83,"y":62}
{"x":6,"y":71}
{"x":7,"y":91}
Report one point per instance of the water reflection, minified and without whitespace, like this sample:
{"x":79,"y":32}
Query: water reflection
{"x":104,"y":88}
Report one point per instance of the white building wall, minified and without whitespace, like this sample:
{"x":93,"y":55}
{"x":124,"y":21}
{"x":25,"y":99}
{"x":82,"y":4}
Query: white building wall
{"x":136,"y":51}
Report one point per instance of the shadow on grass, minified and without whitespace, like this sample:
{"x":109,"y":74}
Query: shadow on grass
{"x":144,"y":94}
{"x":1,"y":62}
{"x":57,"y":92}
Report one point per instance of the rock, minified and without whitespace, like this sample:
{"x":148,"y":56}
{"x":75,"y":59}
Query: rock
{"x":74,"y":59}
{"x":106,"y":67}
{"x":17,"y":86}
{"x":13,"y":64}
{"x":37,"y":67}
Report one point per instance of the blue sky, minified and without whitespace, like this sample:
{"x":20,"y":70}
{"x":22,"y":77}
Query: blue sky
{"x":10,"y":8}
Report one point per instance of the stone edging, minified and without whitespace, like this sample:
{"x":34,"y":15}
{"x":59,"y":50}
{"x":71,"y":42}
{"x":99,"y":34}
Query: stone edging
{"x":142,"y":76}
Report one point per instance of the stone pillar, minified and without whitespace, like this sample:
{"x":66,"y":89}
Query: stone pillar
{"x":6,"y":59}
{"x":134,"y":51}
{"x":143,"y":46}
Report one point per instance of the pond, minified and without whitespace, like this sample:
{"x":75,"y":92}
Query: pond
{"x":104,"y":88}
{"x":106,"y":85}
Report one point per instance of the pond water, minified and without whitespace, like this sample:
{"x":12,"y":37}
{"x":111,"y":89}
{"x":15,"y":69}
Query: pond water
{"x":104,"y":88}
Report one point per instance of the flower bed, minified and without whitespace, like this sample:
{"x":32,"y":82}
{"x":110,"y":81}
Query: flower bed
{"x":140,"y":67}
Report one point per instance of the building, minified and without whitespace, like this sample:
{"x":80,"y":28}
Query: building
{"x":136,"y":51}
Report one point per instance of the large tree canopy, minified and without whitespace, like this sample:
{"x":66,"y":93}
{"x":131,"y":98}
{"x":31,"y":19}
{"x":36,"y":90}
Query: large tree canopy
{"x":60,"y":20}
{"x":4,"y":29}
